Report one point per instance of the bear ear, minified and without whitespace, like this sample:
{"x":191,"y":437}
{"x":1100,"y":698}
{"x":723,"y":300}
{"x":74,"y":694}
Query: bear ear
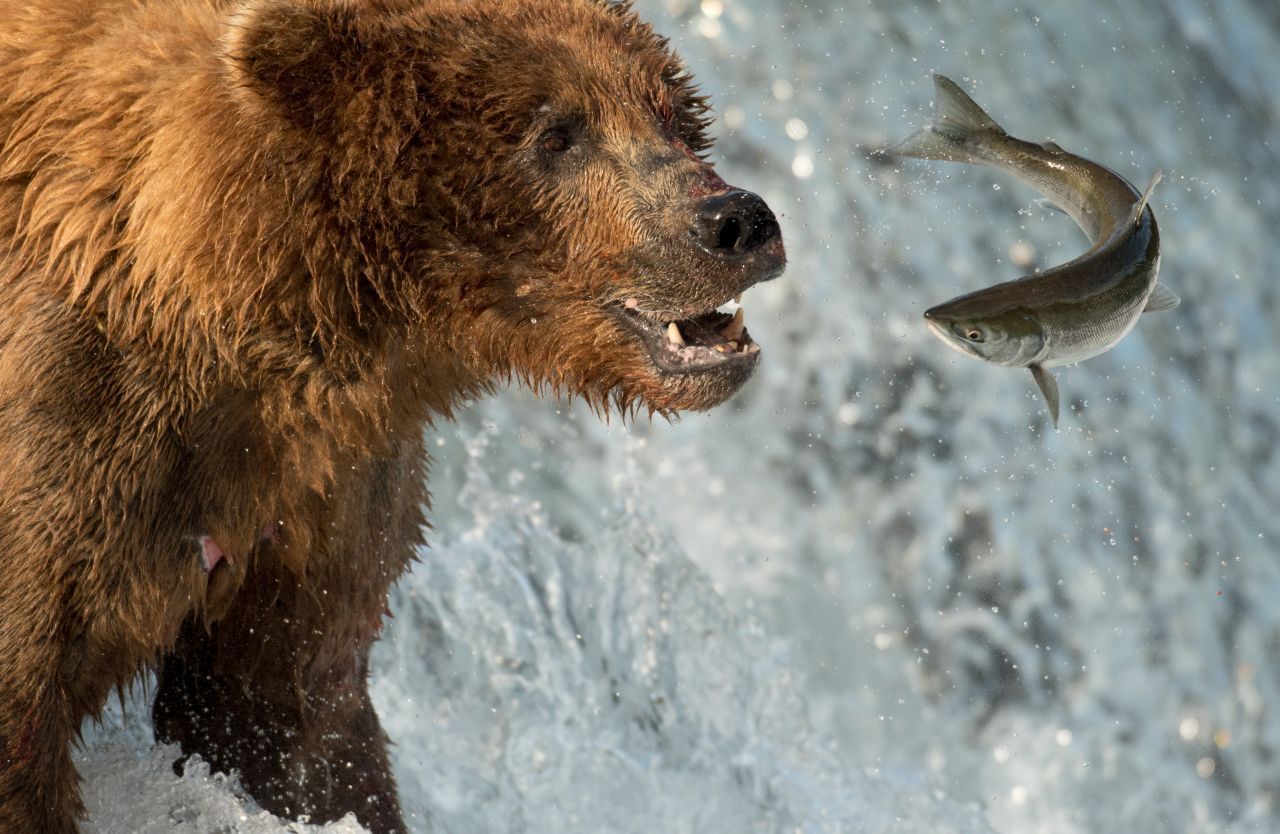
{"x":301,"y":56}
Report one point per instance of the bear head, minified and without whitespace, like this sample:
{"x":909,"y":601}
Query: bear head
{"x":520,"y":188}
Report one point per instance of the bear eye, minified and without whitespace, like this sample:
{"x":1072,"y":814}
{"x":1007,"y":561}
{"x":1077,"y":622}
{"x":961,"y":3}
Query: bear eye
{"x":556,"y":140}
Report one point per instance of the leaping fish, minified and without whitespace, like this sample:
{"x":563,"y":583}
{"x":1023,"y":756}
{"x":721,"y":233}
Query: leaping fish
{"x":1073,"y":311}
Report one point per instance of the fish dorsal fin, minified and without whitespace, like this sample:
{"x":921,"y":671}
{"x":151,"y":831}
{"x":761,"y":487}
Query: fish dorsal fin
{"x":1162,"y":298}
{"x":1049,"y":388}
{"x":1052,"y":147}
{"x":1146,"y":195}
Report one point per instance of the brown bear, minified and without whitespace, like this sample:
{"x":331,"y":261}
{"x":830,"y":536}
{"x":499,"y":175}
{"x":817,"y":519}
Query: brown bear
{"x":251,"y":249}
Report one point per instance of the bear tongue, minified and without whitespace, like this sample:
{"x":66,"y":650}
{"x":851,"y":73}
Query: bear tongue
{"x":710,"y":330}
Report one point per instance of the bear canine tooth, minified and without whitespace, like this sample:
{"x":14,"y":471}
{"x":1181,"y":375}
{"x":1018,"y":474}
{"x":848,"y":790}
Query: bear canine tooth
{"x":733,"y":330}
{"x":673,"y":334}
{"x":738,"y":298}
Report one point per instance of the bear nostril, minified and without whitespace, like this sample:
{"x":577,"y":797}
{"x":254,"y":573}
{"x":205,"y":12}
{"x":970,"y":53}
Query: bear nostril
{"x":761,"y":228}
{"x":729,"y":236}
{"x":734,"y":223}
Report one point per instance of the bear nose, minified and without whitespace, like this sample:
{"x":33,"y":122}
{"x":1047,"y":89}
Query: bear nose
{"x":734,"y":224}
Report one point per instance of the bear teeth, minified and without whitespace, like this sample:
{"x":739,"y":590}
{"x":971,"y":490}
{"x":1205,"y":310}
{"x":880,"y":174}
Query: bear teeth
{"x":733,"y":331}
{"x":682,"y":344}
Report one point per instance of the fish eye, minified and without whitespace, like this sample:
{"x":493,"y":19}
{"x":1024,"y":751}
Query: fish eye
{"x":973,"y":334}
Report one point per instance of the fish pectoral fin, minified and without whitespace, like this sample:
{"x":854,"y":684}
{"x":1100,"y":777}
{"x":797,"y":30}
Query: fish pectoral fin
{"x":1052,"y":147}
{"x":1146,"y":196}
{"x":1162,"y":298}
{"x":1049,"y":388}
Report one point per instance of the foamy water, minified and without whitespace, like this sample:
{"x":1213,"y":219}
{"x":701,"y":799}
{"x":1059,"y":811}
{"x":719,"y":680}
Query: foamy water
{"x":876,"y":592}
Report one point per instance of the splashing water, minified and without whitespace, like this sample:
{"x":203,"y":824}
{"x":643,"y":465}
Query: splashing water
{"x":540,"y":684}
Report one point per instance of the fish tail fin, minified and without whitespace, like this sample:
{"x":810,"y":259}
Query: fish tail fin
{"x":1146,"y":196}
{"x":958,"y":121}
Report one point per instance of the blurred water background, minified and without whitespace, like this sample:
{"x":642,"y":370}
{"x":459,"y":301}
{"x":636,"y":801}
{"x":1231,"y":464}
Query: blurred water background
{"x":875,"y":592}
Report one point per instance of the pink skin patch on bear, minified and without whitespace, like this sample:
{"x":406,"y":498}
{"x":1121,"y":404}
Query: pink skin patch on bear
{"x":210,"y":553}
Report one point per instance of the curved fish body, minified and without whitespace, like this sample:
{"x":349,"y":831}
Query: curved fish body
{"x":1073,"y":311}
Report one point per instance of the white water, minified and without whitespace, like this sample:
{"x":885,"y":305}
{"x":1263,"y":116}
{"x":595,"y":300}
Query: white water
{"x":876,"y":592}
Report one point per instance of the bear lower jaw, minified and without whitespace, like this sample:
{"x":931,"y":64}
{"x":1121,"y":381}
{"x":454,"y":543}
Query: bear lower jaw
{"x":708,"y":343}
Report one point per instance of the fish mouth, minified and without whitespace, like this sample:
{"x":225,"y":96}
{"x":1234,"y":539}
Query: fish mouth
{"x":713,"y":341}
{"x":943,"y":331}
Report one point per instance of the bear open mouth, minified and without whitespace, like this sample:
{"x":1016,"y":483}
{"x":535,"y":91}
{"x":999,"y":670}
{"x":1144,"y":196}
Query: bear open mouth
{"x":711,"y":341}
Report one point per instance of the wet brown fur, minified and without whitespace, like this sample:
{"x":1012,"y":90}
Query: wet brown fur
{"x":249,"y":250}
